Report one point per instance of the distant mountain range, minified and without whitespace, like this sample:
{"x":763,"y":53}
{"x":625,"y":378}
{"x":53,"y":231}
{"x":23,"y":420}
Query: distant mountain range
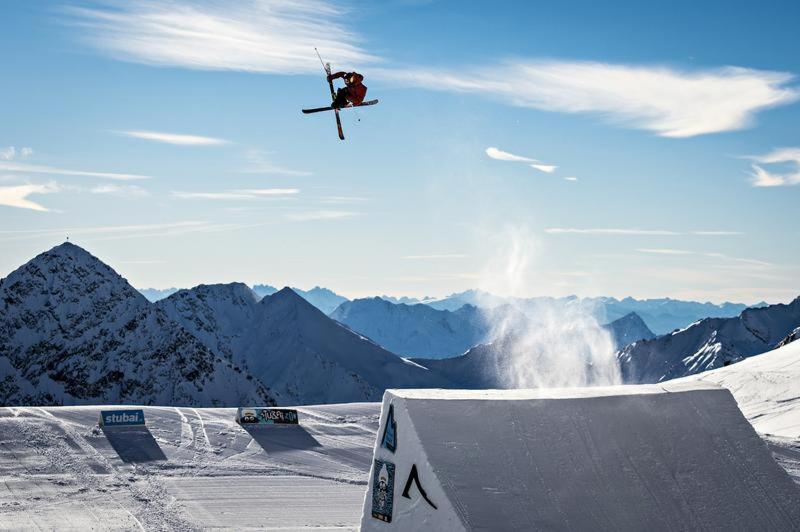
{"x":710,"y":343}
{"x":72,"y":331}
{"x":422,"y":331}
{"x":660,"y":315}
{"x":292,"y":347}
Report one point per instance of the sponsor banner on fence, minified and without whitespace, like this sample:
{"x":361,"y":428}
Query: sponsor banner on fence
{"x":120,"y":418}
{"x":266,"y":416}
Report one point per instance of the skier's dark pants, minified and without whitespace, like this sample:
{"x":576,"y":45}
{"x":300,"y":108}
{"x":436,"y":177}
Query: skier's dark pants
{"x":341,"y":98}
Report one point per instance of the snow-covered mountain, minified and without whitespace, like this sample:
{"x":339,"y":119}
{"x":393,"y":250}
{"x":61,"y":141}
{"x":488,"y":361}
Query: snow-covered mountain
{"x":322,"y":298}
{"x":709,"y":343}
{"x":628,"y":329}
{"x":263,"y":290}
{"x":419,"y":330}
{"x":661,"y":315}
{"x":72,"y":331}
{"x":301,"y":354}
{"x":155,"y":294}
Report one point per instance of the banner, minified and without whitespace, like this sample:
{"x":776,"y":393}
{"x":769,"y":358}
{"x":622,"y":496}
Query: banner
{"x":120,"y":418}
{"x":266,"y":416}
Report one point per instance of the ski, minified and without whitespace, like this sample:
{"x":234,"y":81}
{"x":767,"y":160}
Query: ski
{"x":333,"y":97}
{"x":329,"y":108}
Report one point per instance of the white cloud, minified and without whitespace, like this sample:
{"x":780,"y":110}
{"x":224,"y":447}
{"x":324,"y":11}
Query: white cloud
{"x":667,"y":101}
{"x":270,"y":191}
{"x":320,"y":215}
{"x":8,"y":153}
{"x":571,"y":230}
{"x":174,"y":138}
{"x":243,"y":194}
{"x":436,"y":256}
{"x":501,"y":155}
{"x":274,"y":36}
{"x":113,"y":189}
{"x":38,"y":169}
{"x":17,"y":196}
{"x":25,"y":152}
{"x":749,"y":262}
{"x":762,"y":177}
{"x":664,"y":251}
{"x":571,"y":178}
{"x":546,"y":168}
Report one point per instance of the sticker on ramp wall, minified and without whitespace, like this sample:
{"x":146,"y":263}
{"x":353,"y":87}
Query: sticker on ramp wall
{"x":389,"y":439}
{"x":382,"y":490}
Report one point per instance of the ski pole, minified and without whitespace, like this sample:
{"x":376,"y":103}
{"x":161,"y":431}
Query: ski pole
{"x":320,"y":59}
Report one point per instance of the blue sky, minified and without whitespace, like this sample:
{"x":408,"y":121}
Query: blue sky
{"x":167,"y":138}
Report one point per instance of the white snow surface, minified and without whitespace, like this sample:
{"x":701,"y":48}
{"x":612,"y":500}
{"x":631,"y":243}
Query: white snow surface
{"x":58,"y":470}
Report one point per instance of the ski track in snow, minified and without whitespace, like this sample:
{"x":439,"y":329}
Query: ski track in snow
{"x":59,"y":470}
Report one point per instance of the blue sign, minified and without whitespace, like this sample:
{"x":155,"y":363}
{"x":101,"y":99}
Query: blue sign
{"x":389,"y":439}
{"x":119,"y":418}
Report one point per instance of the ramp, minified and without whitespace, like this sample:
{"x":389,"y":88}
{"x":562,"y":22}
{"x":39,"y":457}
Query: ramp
{"x":652,"y":457}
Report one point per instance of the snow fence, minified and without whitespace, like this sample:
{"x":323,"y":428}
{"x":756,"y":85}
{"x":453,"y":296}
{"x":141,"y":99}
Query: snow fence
{"x":652,"y":457}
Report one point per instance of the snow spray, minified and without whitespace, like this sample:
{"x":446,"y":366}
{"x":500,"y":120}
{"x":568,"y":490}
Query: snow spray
{"x":561,"y":344}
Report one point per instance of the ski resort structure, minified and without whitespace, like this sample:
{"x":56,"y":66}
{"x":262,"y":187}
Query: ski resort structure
{"x":653,"y":457}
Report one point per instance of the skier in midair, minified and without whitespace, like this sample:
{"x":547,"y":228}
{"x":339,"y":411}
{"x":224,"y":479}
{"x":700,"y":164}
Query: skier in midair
{"x":352,"y":93}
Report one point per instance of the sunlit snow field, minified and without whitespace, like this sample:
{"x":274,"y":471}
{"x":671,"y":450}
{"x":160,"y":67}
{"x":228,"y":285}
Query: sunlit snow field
{"x":196,"y":468}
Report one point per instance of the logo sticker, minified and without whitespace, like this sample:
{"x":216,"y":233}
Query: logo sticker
{"x":382,"y":490}
{"x":389,"y":439}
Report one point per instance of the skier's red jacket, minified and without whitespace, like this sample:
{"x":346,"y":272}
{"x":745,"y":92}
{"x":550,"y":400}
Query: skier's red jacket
{"x":356,"y":90}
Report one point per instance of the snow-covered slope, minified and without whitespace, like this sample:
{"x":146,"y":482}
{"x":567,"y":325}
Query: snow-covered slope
{"x":419,"y":330}
{"x":767,"y":389}
{"x":303,"y":356}
{"x":628,"y":329}
{"x":709,"y":344}
{"x":72,"y":331}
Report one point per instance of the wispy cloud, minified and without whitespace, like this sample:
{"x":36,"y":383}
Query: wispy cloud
{"x":609,"y":231}
{"x":571,"y":178}
{"x":113,"y":189}
{"x":320,"y":215}
{"x":440,"y":256}
{"x":116,"y":232}
{"x":717,"y":233}
{"x":546,"y":168}
{"x":9,"y":153}
{"x":500,"y":155}
{"x":664,"y":251}
{"x":38,"y":169}
{"x":241,"y":194}
{"x":275,"y":36}
{"x":17,"y":196}
{"x":668,"y":101}
{"x":761,"y":177}
{"x":258,"y":162}
{"x":750,"y":262}
{"x":174,"y":138}
{"x":630,"y":231}
{"x":336,"y":200}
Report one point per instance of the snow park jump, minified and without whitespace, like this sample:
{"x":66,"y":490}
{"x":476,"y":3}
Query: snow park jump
{"x":648,"y":457}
